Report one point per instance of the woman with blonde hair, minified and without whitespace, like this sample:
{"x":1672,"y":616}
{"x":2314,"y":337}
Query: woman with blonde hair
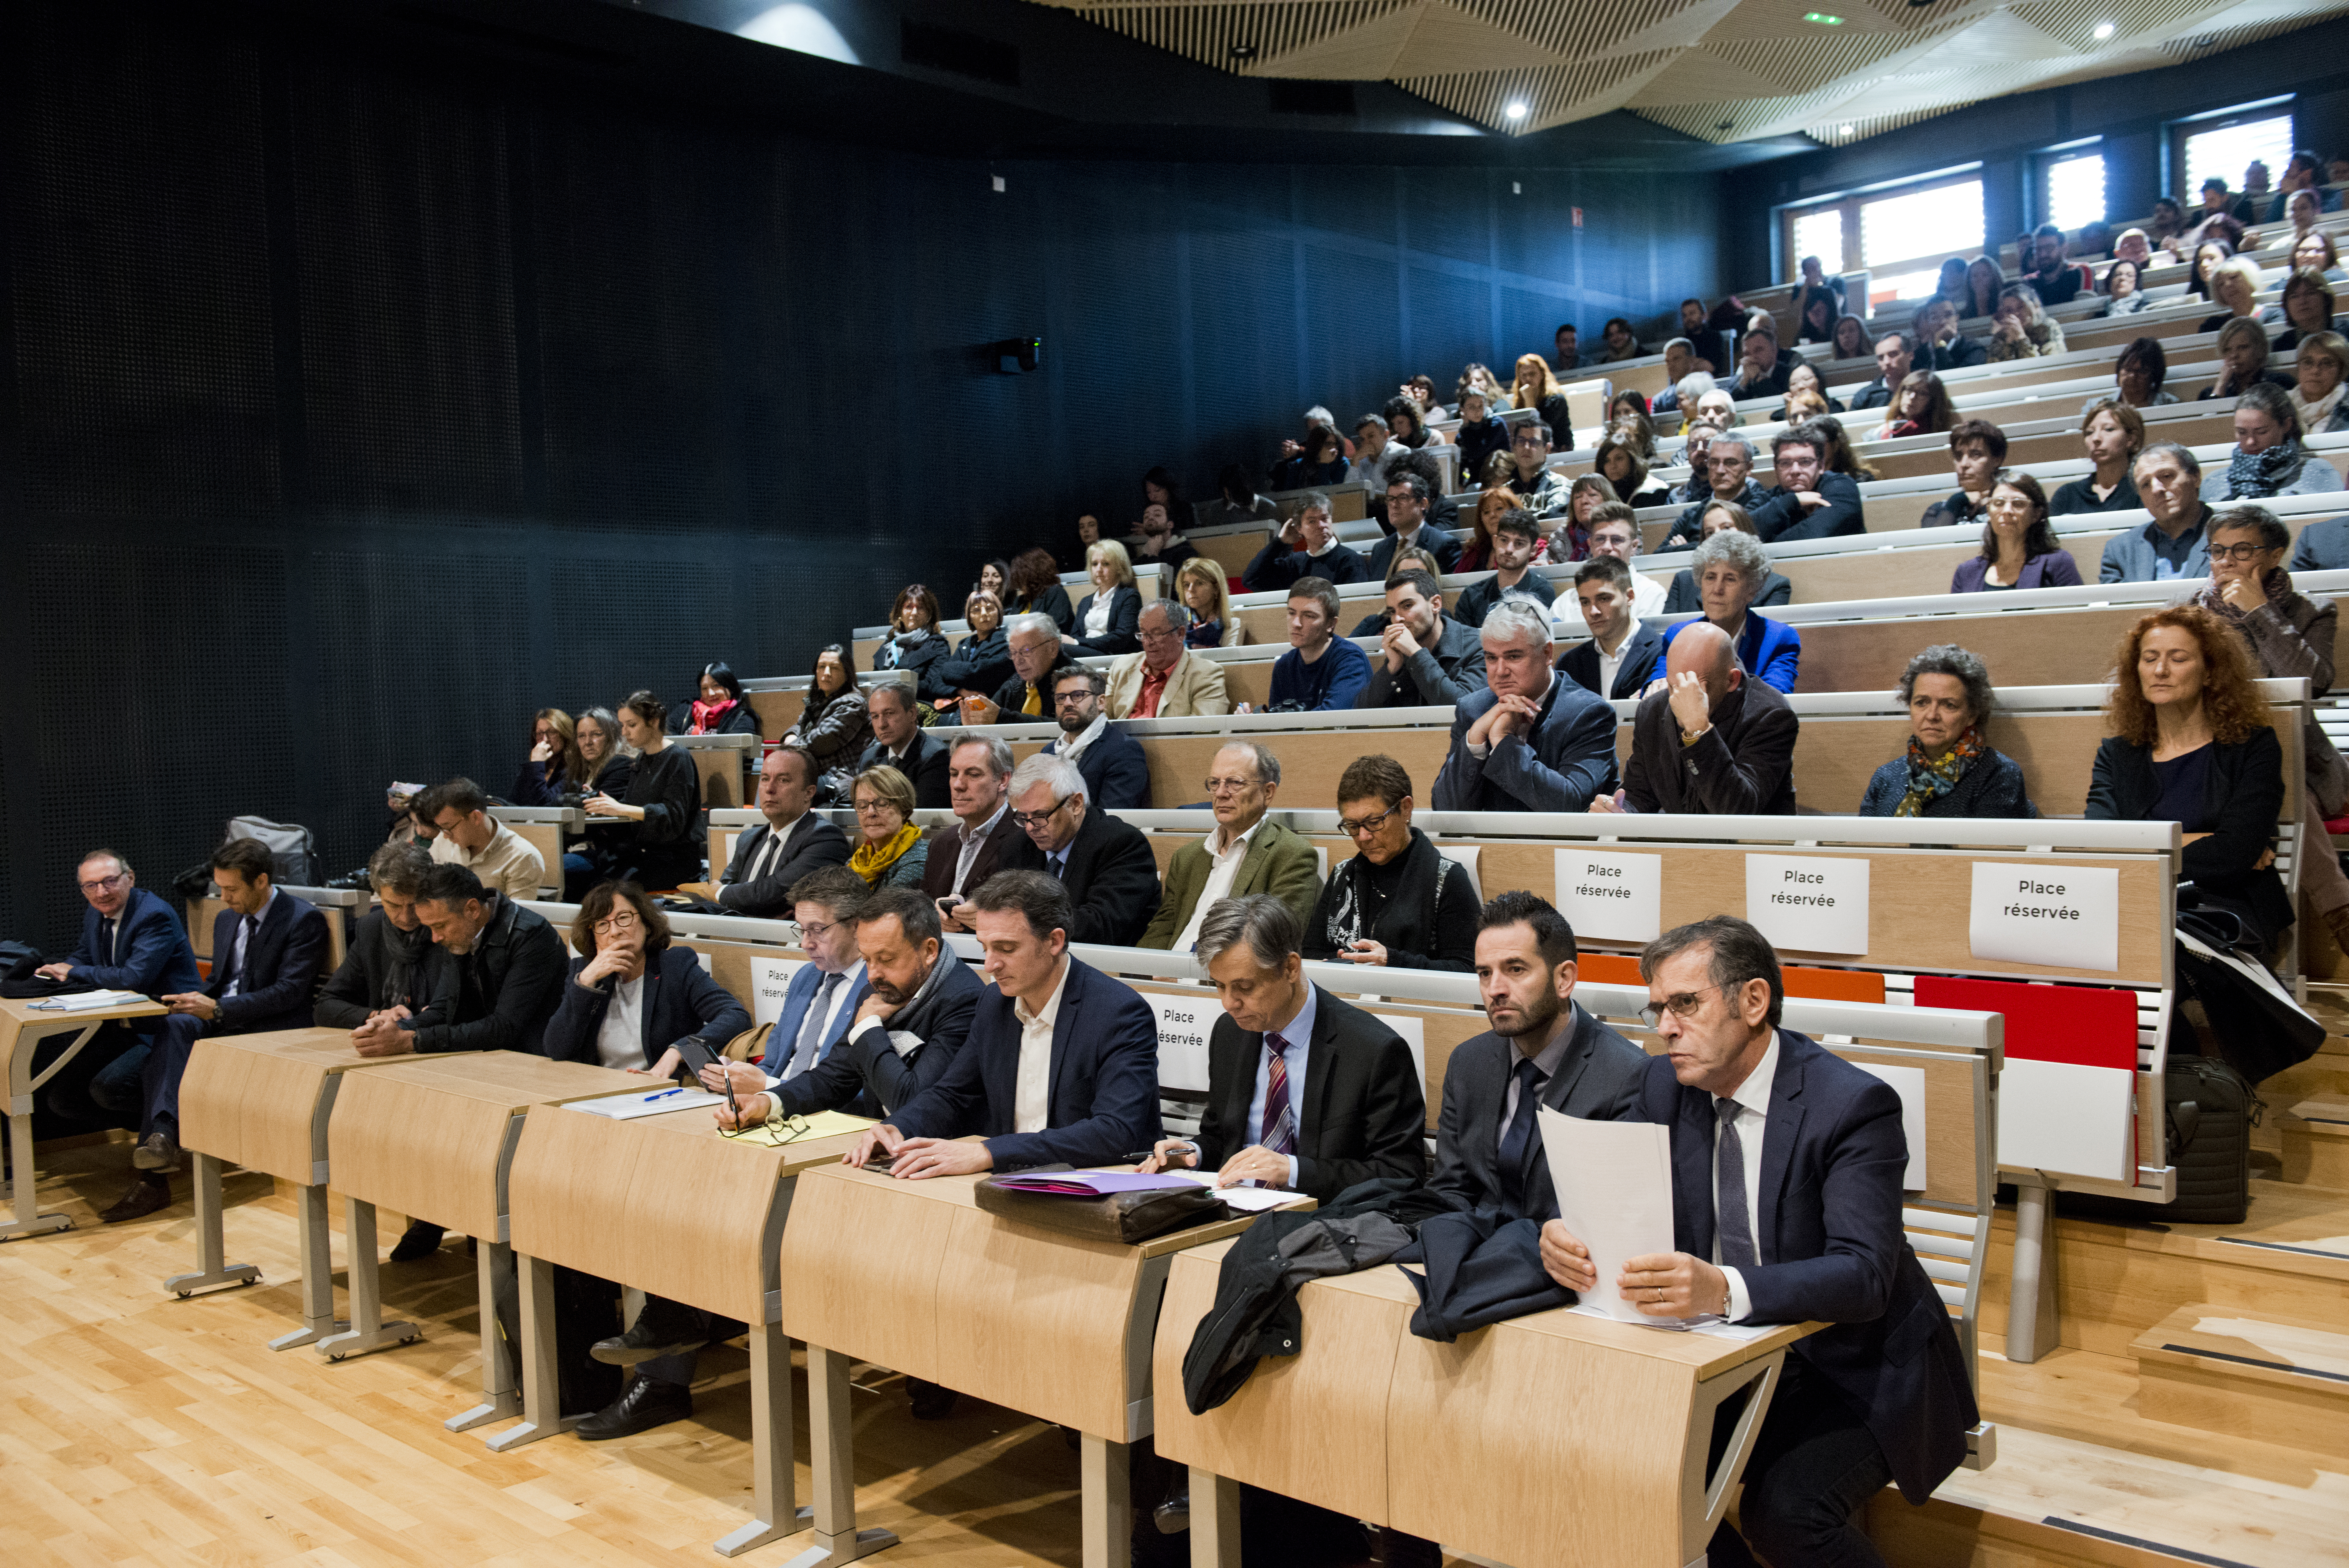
{"x":555,"y":766}
{"x":2318,"y":376}
{"x":2235,"y":288}
{"x":1537,"y":390}
{"x":1205,"y":591}
{"x":1108,"y":619}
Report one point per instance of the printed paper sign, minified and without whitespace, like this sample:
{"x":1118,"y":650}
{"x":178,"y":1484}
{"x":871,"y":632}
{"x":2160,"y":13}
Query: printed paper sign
{"x":2068,"y":917}
{"x":1909,"y":1083}
{"x":1812,"y":904}
{"x":1414,"y":1034}
{"x":1618,"y":898}
{"x":1182,"y":1028}
{"x":769,"y":978}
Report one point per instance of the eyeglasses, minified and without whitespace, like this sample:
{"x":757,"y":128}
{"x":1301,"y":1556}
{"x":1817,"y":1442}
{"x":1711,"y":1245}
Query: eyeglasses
{"x":774,"y":1131}
{"x":1061,"y":698}
{"x":816,"y":931}
{"x":1226,"y":787}
{"x":1684,"y":1005}
{"x":104,"y":884}
{"x":1038,"y":819}
{"x":2218,"y":553}
{"x":612,"y":925}
{"x":1358,"y":827}
{"x":872,"y":808}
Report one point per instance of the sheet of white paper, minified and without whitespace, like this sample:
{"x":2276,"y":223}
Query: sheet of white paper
{"x":658,"y":1102}
{"x":85,"y":1000}
{"x":1614,"y":1182}
{"x":1619,"y":898}
{"x":1248,"y":1199}
{"x":1184,"y":1025}
{"x":1811,"y":903}
{"x":2030,"y":912}
{"x":1909,"y":1083}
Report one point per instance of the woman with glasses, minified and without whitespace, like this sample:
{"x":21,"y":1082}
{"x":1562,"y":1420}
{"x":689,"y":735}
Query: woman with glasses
{"x":2018,"y":548}
{"x":650,"y":833}
{"x":1948,"y":770}
{"x":554,"y":765}
{"x":633,"y":996}
{"x":1397,"y":903}
{"x":2269,"y":459}
{"x":890,"y":851}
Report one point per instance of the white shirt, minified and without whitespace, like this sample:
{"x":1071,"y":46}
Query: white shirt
{"x":771,"y":849}
{"x":1031,"y":1099}
{"x":620,"y":1043}
{"x":1608,"y":663}
{"x":1648,"y":596}
{"x":1223,"y":868}
{"x":974,"y":839}
{"x":1097,"y":618}
{"x":1752,"y":1098}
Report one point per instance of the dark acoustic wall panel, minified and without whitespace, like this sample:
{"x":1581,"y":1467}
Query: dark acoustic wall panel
{"x":365,"y":401}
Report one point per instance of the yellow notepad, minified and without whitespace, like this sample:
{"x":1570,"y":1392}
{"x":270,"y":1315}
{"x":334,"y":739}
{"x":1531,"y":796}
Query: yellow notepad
{"x":776,"y":1132}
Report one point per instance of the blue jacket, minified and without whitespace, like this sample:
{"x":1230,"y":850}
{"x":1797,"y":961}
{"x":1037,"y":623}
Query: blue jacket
{"x":1116,"y":771}
{"x":1769,"y":649}
{"x":2129,"y":558}
{"x":152,"y":949}
{"x":784,"y":1038}
{"x":1830,"y":1234}
{"x":1331,"y":681}
{"x":1103,"y":1100}
{"x":1566,"y":758}
{"x":679,"y":999}
{"x":281,"y":968}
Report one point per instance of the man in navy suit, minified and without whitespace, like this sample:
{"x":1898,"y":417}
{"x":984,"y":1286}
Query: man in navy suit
{"x":1787,"y":1190}
{"x":1116,"y":773}
{"x":130,"y":940}
{"x":1533,"y":741}
{"x":767,"y":861}
{"x":899,"y":741}
{"x":820,"y":1003}
{"x":267,"y":950}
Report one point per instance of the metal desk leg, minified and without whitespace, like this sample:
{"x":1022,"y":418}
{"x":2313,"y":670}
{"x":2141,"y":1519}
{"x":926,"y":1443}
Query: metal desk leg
{"x":24,"y":1216}
{"x":368,"y":1330}
{"x":2032,"y":1329}
{"x":833,"y":1464}
{"x":542,"y":1387}
{"x":1214,"y":1520}
{"x":500,"y":1395}
{"x":1108,"y":1533}
{"x":317,"y":1271}
{"x":771,"y":1447}
{"x":211,"y":1248}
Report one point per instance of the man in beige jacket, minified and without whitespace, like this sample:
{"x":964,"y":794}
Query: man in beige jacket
{"x":503,"y":859}
{"x":1245,"y":854}
{"x":1165,"y":679}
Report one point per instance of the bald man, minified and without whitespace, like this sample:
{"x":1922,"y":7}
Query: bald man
{"x":1707,"y":739}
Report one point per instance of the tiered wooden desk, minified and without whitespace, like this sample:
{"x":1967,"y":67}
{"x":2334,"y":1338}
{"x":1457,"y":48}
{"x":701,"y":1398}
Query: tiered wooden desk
{"x":912,"y":1275}
{"x":667,"y":1205}
{"x":1551,"y":1439}
{"x":24,"y":1026}
{"x":433,"y":1138}
{"x":262,"y":1101}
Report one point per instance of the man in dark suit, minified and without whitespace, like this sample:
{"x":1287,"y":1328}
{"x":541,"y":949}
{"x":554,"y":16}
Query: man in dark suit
{"x":822,"y":1000}
{"x":1808,"y":502}
{"x":1896,"y":352}
{"x":1489,"y":1148}
{"x":509,"y":968}
{"x":1427,"y":659}
{"x":978,"y":779}
{"x":899,"y":741}
{"x":1037,"y":655}
{"x":1306,"y":546}
{"x":1532,"y":740}
{"x":1409,"y":497}
{"x":1615,"y":662}
{"x":1106,"y":866}
{"x":767,"y":861}
{"x":1786,"y":1197}
{"x":130,"y":940}
{"x":1304,"y":1091}
{"x":1116,"y":772}
{"x":1940,"y":343}
{"x":267,"y":950}
{"x":1711,"y":740}
{"x":1060,"y":1066}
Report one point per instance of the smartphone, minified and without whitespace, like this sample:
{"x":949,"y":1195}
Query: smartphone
{"x":695,"y":1055}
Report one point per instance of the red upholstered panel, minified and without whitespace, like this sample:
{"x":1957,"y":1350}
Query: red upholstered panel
{"x":2088,"y":1026}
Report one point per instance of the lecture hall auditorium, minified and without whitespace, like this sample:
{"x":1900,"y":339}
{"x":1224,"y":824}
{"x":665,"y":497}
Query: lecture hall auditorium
{"x":1101,"y":785}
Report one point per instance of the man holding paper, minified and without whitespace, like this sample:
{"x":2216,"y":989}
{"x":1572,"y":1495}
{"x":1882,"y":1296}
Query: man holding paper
{"x":1787,"y":1166}
{"x":1304,"y":1091}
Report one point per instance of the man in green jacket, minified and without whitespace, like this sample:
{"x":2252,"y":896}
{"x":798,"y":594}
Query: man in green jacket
{"x":1244,"y":855}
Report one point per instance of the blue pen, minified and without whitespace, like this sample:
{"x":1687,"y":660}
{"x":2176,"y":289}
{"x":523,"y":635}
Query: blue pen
{"x":664,"y":1093}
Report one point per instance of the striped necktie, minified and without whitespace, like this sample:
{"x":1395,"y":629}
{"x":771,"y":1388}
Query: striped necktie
{"x":1280,"y":1126}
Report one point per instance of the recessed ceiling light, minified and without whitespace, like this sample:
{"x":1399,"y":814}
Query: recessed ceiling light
{"x":1821,"y":18}
{"x":1515,"y":111}
{"x":1843,"y":130}
{"x":1243,"y":51}
{"x":2103,"y":31}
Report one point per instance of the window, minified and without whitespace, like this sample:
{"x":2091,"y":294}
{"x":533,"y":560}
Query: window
{"x":2075,"y":191}
{"x":1917,"y":224}
{"x":1900,"y":235}
{"x":1819,"y":232}
{"x":2225,"y":148}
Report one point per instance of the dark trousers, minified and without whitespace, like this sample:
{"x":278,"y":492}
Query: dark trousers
{"x":1814,"y":1465}
{"x":146,"y":1078}
{"x":69,"y":1103}
{"x":688,"y":1323}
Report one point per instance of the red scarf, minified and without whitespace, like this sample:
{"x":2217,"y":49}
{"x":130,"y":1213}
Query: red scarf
{"x":708,"y":716}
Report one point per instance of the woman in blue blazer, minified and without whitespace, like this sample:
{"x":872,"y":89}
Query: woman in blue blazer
{"x":1729,"y":570}
{"x":630,"y":967}
{"x":2018,"y":548}
{"x":1108,"y":619}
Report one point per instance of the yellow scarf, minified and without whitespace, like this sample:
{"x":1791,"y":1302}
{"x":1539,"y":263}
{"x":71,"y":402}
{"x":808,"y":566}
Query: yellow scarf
{"x":869,"y":862}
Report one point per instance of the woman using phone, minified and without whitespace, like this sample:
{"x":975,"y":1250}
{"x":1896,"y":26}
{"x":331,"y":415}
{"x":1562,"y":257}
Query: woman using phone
{"x":634,"y":1002}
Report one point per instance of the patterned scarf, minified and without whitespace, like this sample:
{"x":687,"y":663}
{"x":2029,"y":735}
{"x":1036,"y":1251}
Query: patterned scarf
{"x":870,"y":860}
{"x":708,"y":716}
{"x":2253,"y":475}
{"x":1203,"y":634}
{"x":2276,"y":585}
{"x":1930,"y":778}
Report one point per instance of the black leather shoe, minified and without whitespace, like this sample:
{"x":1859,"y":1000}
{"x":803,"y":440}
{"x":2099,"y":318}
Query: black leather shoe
{"x":642,"y":1405}
{"x":160,"y":1151}
{"x":419,"y":1242}
{"x":654,"y":1334}
{"x":151,"y":1192}
{"x":931,"y":1402}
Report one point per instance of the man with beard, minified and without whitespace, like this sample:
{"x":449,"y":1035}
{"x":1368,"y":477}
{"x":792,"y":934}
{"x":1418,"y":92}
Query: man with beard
{"x":1116,"y":774}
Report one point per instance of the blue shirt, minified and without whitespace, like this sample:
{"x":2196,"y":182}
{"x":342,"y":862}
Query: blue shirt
{"x":1299,"y":1034}
{"x":1331,"y":681}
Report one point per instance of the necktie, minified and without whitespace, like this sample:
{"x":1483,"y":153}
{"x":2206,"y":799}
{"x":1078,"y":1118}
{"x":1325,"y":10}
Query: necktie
{"x":1279,"y":1126}
{"x":110,"y":928}
{"x":236,"y":960}
{"x":811,"y":1038}
{"x":1518,"y":1137}
{"x":1729,"y":1186}
{"x":1059,"y":864}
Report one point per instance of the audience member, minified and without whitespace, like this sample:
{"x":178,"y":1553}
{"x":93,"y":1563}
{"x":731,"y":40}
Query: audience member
{"x":1977,"y":452}
{"x":1060,"y":1066}
{"x":2133,"y":244}
{"x":1984,"y":281}
{"x":2270,"y":459}
{"x":1808,"y":502}
{"x":510,"y":965}
{"x":2051,"y":279}
{"x":1541,"y":488}
{"x":1037,"y":654}
{"x":1835,"y":450}
{"x":1482,"y":433}
{"x":1568,"y":356}
{"x":1679,"y":363}
{"x":2168,"y":225}
{"x":1537,"y":389}
{"x":2302,"y":176}
{"x":2114,"y":433}
{"x":1035,"y":588}
{"x":1684,"y":597}
{"x":833,"y":726}
{"x":1088,"y":534}
{"x":1105,"y":866}
{"x":2138,"y":373}
{"x":1397,"y":903}
{"x":1320,"y":671}
{"x":2022,"y":328}
{"x":1161,"y":488}
{"x":1584,"y":494}
{"x":1615,"y":662}
{"x":718,"y":707}
{"x":1705,"y":738}
{"x":1428,"y":658}
{"x":611,"y":761}
{"x":2169,"y":482}
{"x":468,"y":835}
{"x":554,"y":767}
{"x":1408,"y":425}
{"x":1246,"y":853}
{"x":1517,"y":540}
{"x":979,"y":664}
{"x":768,"y":860}
{"x":1165,"y":679}
{"x":1620,"y":342}
{"x":1804,"y":381}
{"x":1319,"y":460}
{"x":1685,"y":391}
{"x":915,"y":644}
{"x":2202,"y":280}
{"x":2316,"y":252}
{"x":1761,"y":371}
{"x":650,"y":833}
{"x":1921,"y":407}
{"x":1532,"y":740}
{"x":1407,"y":522}
{"x":2242,"y":362}
{"x":1851,"y":339}
{"x":964,"y":855}
{"x":1730,"y":568}
{"x":2019,"y":548}
{"x":889,"y":849}
{"x":1104,"y":618}
{"x":1207,"y":597}
{"x":1306,"y":546}
{"x":1696,"y":451}
{"x":2318,"y":374}
{"x":1950,"y":769}
{"x":1480,"y":377}
{"x":1159,"y":544}
{"x":1237,"y":500}
{"x":1615,"y":530}
{"x":1729,"y":462}
{"x":1939,"y":345}
{"x":1376,"y":457}
{"x":1894,"y":353}
{"x":899,"y":741}
{"x":633,"y":995}
{"x":1117,"y":775}
{"x":1625,"y":472}
{"x":2122,"y":290}
{"x":132,"y":939}
{"x":1477,"y":550}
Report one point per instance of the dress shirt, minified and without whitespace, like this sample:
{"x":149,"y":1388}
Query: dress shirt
{"x":1073,"y":747}
{"x":1223,"y":866}
{"x":1524,"y":731}
{"x":1608,"y":663}
{"x":772,"y":850}
{"x":1097,"y":618}
{"x":2170,"y":552}
{"x":1546,"y":1064}
{"x":850,"y":978}
{"x":973,"y":841}
{"x":1752,"y":1098}
{"x":905,"y":1042}
{"x":1299,"y":1034}
{"x":1031,"y":1099}
{"x":620,"y":1043}
{"x":507,"y":864}
{"x":1154,"y":690}
{"x":245,"y":925}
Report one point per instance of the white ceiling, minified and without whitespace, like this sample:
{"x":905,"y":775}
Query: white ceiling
{"x":1721,"y":70}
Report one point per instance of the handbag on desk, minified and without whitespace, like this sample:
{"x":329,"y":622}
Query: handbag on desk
{"x":1112,"y":1217}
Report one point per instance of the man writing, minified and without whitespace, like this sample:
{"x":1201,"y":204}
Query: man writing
{"x":1614,"y":664}
{"x":1426,"y":658}
{"x":1245,"y":855}
{"x":1306,"y":546}
{"x":1165,"y":679}
{"x":1532,"y":740}
{"x":979,"y":776}
{"x":1709,"y":740}
{"x":793,"y":840}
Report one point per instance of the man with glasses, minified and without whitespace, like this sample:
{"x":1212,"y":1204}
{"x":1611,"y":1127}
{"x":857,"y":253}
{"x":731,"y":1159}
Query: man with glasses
{"x":1105,"y":864}
{"x":1533,"y":739}
{"x":1615,"y":530}
{"x":1306,"y":546}
{"x":1036,"y":649}
{"x":1540,"y":489}
{"x":1728,"y":467}
{"x":1244,"y":855}
{"x":468,"y":835}
{"x":1787,"y":1164}
{"x":1116,"y":773}
{"x":1165,"y":679}
{"x":1408,"y":494}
